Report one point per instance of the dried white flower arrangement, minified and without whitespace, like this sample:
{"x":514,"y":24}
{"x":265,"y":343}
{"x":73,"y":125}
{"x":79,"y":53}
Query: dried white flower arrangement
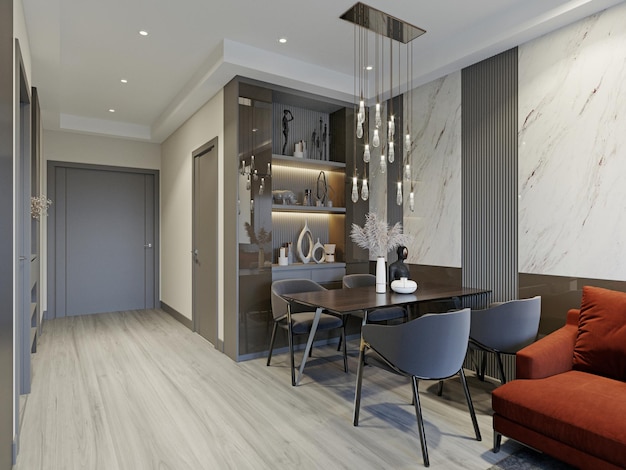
{"x":377,"y":237}
{"x":39,"y":206}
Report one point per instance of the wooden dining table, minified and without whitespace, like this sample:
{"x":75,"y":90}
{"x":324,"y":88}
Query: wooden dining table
{"x":343,"y":301}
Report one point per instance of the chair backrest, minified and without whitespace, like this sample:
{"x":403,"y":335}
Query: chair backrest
{"x":432,"y":346}
{"x":290,"y":286}
{"x":508,"y":326}
{"x":358,"y":280}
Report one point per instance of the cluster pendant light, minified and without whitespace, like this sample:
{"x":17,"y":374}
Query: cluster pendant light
{"x":373,"y":27}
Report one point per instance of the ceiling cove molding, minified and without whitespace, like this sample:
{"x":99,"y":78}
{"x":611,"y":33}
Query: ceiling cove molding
{"x":72,"y":123}
{"x":232,"y":59}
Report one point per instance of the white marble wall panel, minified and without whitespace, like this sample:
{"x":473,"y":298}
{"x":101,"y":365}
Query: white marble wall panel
{"x":436,"y":173}
{"x":572,"y":156}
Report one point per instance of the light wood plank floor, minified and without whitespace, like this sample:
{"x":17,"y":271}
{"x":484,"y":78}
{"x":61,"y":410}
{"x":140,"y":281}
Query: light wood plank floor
{"x":137,"y":390}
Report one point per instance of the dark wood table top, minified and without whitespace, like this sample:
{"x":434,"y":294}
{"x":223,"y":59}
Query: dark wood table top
{"x":366,"y":298}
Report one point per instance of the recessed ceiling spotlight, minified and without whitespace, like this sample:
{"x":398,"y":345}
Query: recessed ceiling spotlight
{"x":282,"y":40}
{"x":123,"y":80}
{"x":369,"y":67}
{"x":143,"y":33}
{"x":111,"y":110}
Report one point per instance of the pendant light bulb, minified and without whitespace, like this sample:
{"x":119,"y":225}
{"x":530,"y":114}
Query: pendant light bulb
{"x":392,"y":153}
{"x":361,"y":114}
{"x":376,"y":139}
{"x":365,"y":192}
{"x":407,"y":172}
{"x":412,"y":201}
{"x":392,"y":127}
{"x":399,"y":194}
{"x":262,"y":187}
{"x":355,"y":190}
{"x":383,"y":163}
{"x":379,"y":121}
{"x":366,"y":153}
{"x":407,"y":142}
{"x":359,"y":130}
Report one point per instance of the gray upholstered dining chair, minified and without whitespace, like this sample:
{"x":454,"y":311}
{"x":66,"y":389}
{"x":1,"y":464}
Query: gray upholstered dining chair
{"x":298,"y":319}
{"x":504,"y":328}
{"x":377,"y":315}
{"x":431,"y":347}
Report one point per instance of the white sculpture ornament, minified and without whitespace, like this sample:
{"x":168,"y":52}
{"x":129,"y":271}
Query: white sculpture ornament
{"x":306,"y":232}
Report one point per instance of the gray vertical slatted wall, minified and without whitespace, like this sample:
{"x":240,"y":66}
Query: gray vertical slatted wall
{"x":489,"y":181}
{"x":489,"y":169}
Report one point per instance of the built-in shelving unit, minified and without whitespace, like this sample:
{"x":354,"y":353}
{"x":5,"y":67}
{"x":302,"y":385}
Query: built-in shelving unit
{"x":326,"y":221}
{"x":273,"y":126}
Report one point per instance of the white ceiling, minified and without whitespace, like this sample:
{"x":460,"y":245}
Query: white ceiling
{"x":81,"y":49}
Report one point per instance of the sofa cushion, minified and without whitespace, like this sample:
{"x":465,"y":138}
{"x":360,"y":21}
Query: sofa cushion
{"x":600,"y":346}
{"x":581,"y":410}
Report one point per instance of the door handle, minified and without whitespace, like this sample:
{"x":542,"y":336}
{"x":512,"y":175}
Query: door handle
{"x":149,"y":245}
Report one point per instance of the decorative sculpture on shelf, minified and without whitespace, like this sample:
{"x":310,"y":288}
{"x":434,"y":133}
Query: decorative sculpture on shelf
{"x":324,"y":135}
{"x":398,"y":269}
{"x":287,"y":118}
{"x":305,"y":234}
{"x":322,"y":189}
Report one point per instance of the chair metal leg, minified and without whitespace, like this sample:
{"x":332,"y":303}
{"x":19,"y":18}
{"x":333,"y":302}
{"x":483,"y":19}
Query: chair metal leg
{"x":501,"y":368}
{"x":497,"y":440}
{"x":440,"y":388}
{"x":293,"y":366}
{"x":470,"y":405}
{"x":483,"y":366}
{"x":420,"y":421}
{"x":269,"y":356}
{"x":359,"y":380}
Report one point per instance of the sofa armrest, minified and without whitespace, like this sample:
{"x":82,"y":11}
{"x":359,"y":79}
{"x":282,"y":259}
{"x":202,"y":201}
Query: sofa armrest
{"x":550,"y":355}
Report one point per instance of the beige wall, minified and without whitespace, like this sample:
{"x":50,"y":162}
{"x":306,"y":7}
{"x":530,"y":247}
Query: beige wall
{"x":98,"y":150}
{"x":176,"y":206}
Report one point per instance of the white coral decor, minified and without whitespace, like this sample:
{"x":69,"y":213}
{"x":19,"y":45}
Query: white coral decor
{"x":377,"y":237}
{"x":39,"y":206}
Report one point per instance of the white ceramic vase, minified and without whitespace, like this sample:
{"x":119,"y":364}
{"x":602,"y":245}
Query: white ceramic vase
{"x":381,"y":275}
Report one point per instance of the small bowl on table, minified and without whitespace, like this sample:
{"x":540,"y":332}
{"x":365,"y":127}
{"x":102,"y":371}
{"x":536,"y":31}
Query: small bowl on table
{"x":403,"y":286}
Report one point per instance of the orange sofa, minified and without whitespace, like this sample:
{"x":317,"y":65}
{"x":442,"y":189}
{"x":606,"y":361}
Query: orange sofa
{"x":569,"y":396}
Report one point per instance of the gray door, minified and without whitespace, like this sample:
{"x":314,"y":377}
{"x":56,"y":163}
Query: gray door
{"x":205,"y":241}
{"x":104,"y":240}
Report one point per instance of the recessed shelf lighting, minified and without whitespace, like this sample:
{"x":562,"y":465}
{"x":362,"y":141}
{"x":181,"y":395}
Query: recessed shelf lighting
{"x":143,"y":32}
{"x":282,"y":40}
{"x":123,"y":80}
{"x":111,"y":110}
